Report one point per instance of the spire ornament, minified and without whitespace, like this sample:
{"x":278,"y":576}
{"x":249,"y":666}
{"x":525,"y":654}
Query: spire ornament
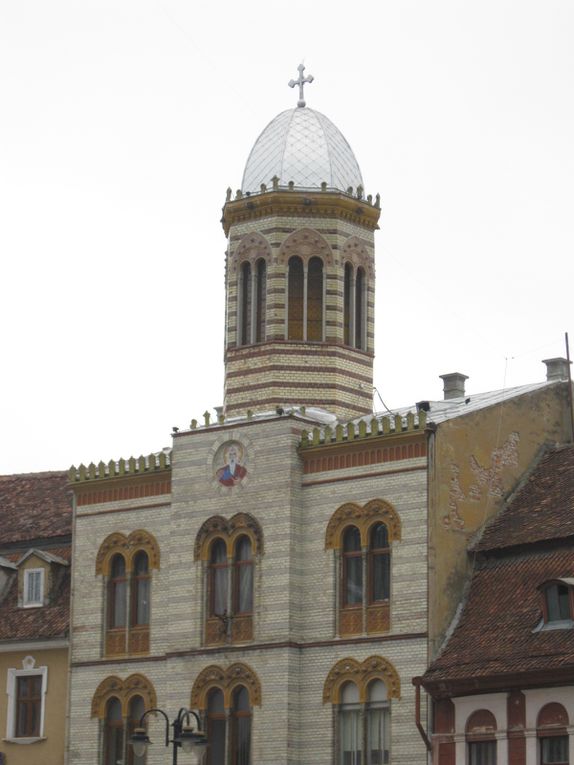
{"x":301,"y":83}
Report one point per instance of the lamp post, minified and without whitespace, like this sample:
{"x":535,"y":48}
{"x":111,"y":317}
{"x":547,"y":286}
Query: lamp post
{"x":184,"y":735}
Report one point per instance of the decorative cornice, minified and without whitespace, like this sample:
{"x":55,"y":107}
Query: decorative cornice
{"x":226,"y":680}
{"x":218,"y":526}
{"x":128,"y":547}
{"x":361,"y":673}
{"x":151,"y":464}
{"x":304,"y":203}
{"x":365,"y":428}
{"x":123,"y":690}
{"x":350,"y":514}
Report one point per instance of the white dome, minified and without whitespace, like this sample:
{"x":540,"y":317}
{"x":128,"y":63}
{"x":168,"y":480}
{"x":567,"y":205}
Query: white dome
{"x":303,"y":146}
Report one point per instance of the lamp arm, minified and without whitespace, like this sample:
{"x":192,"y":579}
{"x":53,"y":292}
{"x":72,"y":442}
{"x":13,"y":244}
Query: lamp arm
{"x":166,"y":718}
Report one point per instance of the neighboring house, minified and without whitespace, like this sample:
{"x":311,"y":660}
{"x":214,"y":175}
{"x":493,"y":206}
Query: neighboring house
{"x":503,"y":686}
{"x":287,"y":568}
{"x":35,"y":552}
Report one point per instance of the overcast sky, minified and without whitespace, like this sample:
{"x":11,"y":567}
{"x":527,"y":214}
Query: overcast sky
{"x":123,"y":122}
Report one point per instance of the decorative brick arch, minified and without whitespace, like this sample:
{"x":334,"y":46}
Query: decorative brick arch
{"x":229,"y":530}
{"x":124,"y":691}
{"x":128,"y":547}
{"x":552,"y":716}
{"x":251,"y":248}
{"x":362,"y":674}
{"x":307,"y":244}
{"x":226,"y":680}
{"x":354,"y":251}
{"x":351,"y":514}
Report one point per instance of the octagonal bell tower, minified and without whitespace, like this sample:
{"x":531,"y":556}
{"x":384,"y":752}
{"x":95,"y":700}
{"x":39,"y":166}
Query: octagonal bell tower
{"x":300,"y":277}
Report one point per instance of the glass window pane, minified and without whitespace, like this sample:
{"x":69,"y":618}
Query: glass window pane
{"x":352,"y":540}
{"x":482,"y":753}
{"x":377,"y":691}
{"x":379,"y":537}
{"x":142,"y":601}
{"x":119,"y":593}
{"x":219,"y":552}
{"x":380,"y":576}
{"x":245,"y":584}
{"x":377,"y":736}
{"x":563,"y":602}
{"x":118,"y":566}
{"x":243,"y":549}
{"x":349,"y":694}
{"x":141,"y":565}
{"x":242,"y":741}
{"x":353,"y":585}
{"x":350,"y":738}
{"x":220,"y":590}
{"x":215,"y":702}
{"x":554,"y":750}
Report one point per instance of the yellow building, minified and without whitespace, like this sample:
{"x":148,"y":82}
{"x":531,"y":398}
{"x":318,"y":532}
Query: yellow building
{"x":35,"y":552}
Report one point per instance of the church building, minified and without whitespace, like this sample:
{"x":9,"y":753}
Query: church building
{"x":294,"y":559}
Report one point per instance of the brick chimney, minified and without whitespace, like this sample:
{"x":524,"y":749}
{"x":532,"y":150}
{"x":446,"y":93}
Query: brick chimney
{"x":453,"y":385}
{"x":556,"y":369}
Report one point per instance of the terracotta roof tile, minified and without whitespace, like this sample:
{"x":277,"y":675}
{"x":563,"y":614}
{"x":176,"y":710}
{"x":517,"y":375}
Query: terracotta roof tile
{"x":35,"y":623}
{"x":33,"y":506}
{"x":542,"y":508}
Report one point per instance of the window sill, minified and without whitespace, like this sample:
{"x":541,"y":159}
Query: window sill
{"x":24,"y":740}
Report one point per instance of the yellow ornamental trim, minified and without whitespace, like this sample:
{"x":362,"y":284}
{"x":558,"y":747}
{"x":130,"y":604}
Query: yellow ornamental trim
{"x":128,"y":547}
{"x":124,"y":691}
{"x":226,"y":680}
{"x":351,"y":514}
{"x":362,"y":674}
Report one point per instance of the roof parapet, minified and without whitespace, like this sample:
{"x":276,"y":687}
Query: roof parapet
{"x":353,"y":431}
{"x":150,"y":464}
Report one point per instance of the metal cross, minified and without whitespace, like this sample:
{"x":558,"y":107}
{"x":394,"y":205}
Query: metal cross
{"x":301,"y":82}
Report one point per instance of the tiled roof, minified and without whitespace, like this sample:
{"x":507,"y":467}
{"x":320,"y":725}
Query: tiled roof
{"x":34,"y":506}
{"x":49,"y":621}
{"x":495,"y":634}
{"x":542,"y":507}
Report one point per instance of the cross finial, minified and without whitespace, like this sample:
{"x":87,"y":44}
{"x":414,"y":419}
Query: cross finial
{"x":301,"y":82}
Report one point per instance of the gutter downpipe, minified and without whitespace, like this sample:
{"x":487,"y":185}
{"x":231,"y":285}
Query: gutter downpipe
{"x":417,"y":681}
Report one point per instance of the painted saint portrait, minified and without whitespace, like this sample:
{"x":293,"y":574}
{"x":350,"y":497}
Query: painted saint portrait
{"x":233,"y":471}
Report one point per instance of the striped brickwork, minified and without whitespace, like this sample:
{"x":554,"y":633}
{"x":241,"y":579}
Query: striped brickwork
{"x":261,"y":375}
{"x":295,"y":642}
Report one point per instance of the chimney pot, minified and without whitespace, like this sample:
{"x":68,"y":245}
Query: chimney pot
{"x":556,"y":369}
{"x":453,"y":385}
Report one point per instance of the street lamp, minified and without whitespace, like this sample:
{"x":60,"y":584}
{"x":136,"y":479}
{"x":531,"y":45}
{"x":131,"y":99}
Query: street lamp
{"x":184,"y":735}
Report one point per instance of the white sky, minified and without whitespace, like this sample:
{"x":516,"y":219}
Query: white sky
{"x":122,"y":122}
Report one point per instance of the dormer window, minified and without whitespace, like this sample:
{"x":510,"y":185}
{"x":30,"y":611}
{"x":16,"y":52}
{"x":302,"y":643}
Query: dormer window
{"x":33,"y":587}
{"x":557,"y":603}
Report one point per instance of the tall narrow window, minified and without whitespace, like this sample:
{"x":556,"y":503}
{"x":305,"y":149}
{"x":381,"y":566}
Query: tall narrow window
{"x":558,"y":602}
{"x":33,"y":587}
{"x":315,"y":299}
{"x":295,"y":299}
{"x":28,"y":705}
{"x":243,"y":577}
{"x":347,"y":302}
{"x":378,"y":738}
{"x":352,"y":590}
{"x":481,"y":738}
{"x":245,"y":296}
{"x":218,"y":578}
{"x":260,"y":301}
{"x":113,"y":733}
{"x":240,"y":727}
{"x":552,"y":730}
{"x":350,"y":733}
{"x":360,"y":309}
{"x":136,"y":710}
{"x":117,"y":601}
{"x":216,"y":728}
{"x":140,"y":590}
{"x":554,"y":750}
{"x":379,"y":567}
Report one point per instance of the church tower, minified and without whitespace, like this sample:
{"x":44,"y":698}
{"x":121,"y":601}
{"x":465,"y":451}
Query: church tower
{"x":300,"y":276}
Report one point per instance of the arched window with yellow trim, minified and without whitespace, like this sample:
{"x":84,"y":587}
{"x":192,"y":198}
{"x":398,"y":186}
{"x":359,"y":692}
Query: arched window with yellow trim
{"x":362,"y":538}
{"x":229,"y":551}
{"x":361,"y":694}
{"x":216,"y":727}
{"x":125,"y":563}
{"x":114,"y":738}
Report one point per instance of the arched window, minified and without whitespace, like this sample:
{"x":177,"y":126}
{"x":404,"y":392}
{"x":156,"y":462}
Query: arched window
{"x":136,"y":710}
{"x":240,"y":727}
{"x":216,"y":727}
{"x":552,"y":731}
{"x":113,"y":733}
{"x":243,"y":577}
{"x":245,"y":297}
{"x":295,"y":298}
{"x":360,"y":300}
{"x":379,"y":564}
{"x":378,"y":734}
{"x":350,"y":734}
{"x":260,"y":301}
{"x":480,"y":737}
{"x":352,"y":589}
{"x":315,"y":300}
{"x":117,"y":594}
{"x":347,"y":307}
{"x":362,"y":538}
{"x":218,"y":578}
{"x":140,"y":590}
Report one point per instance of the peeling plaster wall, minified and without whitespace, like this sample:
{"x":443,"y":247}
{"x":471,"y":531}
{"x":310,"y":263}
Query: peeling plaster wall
{"x":475,"y":460}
